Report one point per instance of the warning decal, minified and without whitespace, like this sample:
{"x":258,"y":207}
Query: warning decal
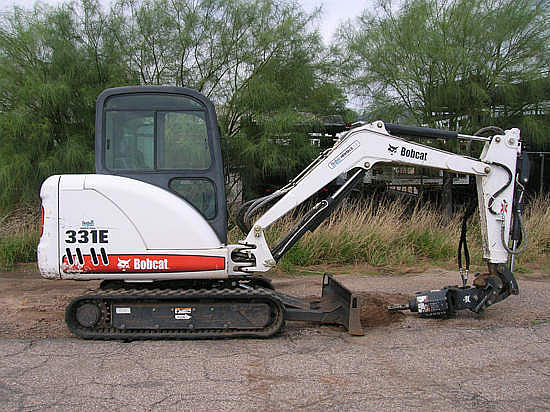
{"x":182,"y":313}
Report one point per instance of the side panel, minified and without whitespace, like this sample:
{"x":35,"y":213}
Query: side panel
{"x":110,"y":227}
{"x":153,"y":216}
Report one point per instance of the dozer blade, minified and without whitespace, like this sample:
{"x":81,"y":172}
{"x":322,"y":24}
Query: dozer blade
{"x":334,"y":293}
{"x":338,"y":306}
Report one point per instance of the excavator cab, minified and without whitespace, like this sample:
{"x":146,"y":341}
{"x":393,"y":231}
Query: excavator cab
{"x":168,"y":137}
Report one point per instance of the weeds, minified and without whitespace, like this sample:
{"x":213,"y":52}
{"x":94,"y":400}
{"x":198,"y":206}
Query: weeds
{"x":20,"y":247}
{"x":356,"y":233}
{"x":390,"y":234}
{"x":537,"y":223}
{"x":19,"y":236}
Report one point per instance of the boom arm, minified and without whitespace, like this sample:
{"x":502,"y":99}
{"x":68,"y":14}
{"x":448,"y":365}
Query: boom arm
{"x":363,"y":147}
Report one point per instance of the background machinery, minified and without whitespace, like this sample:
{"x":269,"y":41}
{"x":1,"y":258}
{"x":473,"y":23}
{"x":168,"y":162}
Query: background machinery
{"x":151,"y":224}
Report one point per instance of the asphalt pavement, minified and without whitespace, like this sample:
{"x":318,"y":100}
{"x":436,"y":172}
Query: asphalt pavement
{"x":311,"y":368}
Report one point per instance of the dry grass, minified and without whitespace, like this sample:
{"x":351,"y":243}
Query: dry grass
{"x":19,"y":236}
{"x":357,"y":233}
{"x":537,"y":222}
{"x":394,"y":235}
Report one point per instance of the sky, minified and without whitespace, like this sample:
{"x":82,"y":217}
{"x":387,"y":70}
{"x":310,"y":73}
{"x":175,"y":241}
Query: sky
{"x":334,"y":12}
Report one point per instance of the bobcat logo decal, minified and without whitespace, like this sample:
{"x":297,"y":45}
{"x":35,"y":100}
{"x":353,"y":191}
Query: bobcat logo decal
{"x":123,"y":264}
{"x":392,"y":149}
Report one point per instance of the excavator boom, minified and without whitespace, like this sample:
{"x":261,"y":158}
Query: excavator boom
{"x":364,"y":147}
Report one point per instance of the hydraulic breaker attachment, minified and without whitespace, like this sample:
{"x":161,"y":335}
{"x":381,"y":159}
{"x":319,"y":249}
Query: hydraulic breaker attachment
{"x":446,"y":301}
{"x":337,"y":306}
{"x":488,"y":289}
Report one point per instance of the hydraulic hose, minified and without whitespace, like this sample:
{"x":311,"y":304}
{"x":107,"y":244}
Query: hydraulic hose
{"x":523,"y":236}
{"x":259,"y":203}
{"x":497,"y":193}
{"x":517,"y":216}
{"x":463,"y":244}
{"x":240,"y":216}
{"x":494,"y":129}
{"x":248,"y":209}
{"x":502,"y":189}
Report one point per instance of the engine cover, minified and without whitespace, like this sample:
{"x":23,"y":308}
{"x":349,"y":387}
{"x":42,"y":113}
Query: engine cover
{"x":112,"y":227}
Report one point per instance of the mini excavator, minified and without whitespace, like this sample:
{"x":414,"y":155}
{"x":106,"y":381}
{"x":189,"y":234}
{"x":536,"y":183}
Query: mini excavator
{"x":151,"y":223}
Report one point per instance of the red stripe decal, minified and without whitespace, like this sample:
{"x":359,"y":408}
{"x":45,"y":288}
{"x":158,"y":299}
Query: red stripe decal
{"x":144,"y":264}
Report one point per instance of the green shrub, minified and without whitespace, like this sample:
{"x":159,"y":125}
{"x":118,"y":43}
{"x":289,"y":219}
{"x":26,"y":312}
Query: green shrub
{"x":19,"y":247}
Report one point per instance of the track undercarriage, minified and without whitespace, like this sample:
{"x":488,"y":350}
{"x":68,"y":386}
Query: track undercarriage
{"x":204,"y":310}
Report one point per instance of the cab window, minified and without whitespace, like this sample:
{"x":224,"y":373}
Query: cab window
{"x":171,"y":136}
{"x":182,"y":140}
{"x":199,"y":192}
{"x":129,"y":143}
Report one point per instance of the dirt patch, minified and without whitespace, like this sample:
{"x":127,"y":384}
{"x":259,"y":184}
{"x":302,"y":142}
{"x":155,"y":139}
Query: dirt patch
{"x":374,"y":306}
{"x":33,"y":307}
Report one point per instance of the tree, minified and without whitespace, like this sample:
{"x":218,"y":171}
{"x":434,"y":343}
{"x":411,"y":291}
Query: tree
{"x":53,"y":64}
{"x":217,"y":47}
{"x":258,"y":60}
{"x":461,"y":64}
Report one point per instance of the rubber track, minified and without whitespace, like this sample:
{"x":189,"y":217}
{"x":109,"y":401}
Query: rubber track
{"x":179,"y":295}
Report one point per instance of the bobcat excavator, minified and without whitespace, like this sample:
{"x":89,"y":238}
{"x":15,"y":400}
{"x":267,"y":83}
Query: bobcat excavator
{"x":151,"y":224}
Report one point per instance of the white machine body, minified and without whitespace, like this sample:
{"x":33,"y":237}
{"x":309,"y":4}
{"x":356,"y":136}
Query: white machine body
{"x":112,"y":227}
